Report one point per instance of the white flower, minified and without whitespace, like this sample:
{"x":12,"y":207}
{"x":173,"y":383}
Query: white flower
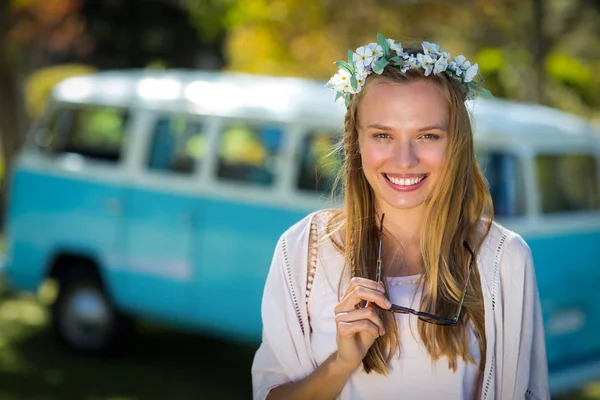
{"x":440,"y":65}
{"x":459,"y":60}
{"x":376,"y":51}
{"x":363,"y":55}
{"x":411,"y":60}
{"x":462,"y":63}
{"x":453,"y":66}
{"x":426,"y":62}
{"x":430,"y":48}
{"x":361,"y":76}
{"x":397,"y":47}
{"x":340,"y":82}
{"x":470,"y":73}
{"x":354,"y":91}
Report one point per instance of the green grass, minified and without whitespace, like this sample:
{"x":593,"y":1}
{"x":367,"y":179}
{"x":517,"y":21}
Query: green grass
{"x":159,"y":364}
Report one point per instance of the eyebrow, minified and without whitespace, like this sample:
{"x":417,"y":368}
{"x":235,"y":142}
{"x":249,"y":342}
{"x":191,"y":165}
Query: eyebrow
{"x":424,"y":129}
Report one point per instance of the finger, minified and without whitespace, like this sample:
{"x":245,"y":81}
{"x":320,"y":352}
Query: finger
{"x":359,"y":293}
{"x":368,"y":283}
{"x":365,"y":303}
{"x":347,"y":330}
{"x":362,"y":314}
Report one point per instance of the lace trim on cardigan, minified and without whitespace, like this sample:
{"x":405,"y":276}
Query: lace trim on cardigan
{"x":531,"y":395}
{"x":313,"y":246}
{"x":494,"y":288}
{"x":290,"y":281}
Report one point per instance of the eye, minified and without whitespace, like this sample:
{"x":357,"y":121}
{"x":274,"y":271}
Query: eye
{"x":430,"y":136}
{"x":381,"y":135}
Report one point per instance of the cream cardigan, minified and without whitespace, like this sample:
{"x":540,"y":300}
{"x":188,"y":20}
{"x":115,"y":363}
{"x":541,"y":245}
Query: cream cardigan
{"x":515,"y":363}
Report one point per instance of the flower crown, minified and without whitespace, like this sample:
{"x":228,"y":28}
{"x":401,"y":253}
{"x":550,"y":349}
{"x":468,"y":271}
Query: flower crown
{"x":374,"y":57}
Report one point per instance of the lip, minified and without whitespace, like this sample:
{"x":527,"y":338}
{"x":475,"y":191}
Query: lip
{"x":400,"y":188}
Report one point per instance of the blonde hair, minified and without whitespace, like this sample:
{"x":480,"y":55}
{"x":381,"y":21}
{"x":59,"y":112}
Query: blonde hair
{"x":459,"y":209}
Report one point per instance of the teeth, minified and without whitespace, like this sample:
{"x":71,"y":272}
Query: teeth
{"x":406,"y":182}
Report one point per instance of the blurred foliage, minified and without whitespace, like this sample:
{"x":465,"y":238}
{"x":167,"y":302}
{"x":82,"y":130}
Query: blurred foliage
{"x":99,"y":126}
{"x":328,"y":162}
{"x":42,"y":29}
{"x":304,"y":37}
{"x":567,"y":182}
{"x":33,"y":34}
{"x":242,"y":145}
{"x":53,"y":25}
{"x":209,"y":17}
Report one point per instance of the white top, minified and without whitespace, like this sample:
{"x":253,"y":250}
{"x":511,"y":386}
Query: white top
{"x":294,"y":345}
{"x":413,"y":374}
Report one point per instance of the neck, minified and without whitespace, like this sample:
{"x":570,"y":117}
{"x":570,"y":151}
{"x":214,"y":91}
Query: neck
{"x":403,"y":225}
{"x":402,"y":239}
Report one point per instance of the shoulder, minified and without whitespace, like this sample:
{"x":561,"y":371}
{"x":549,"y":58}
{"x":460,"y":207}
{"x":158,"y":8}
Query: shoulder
{"x":506,"y":244}
{"x":296,"y":236}
{"x":318,"y":219}
{"x":504,"y":254}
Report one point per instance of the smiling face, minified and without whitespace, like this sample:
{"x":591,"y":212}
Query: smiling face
{"x":403,"y":137}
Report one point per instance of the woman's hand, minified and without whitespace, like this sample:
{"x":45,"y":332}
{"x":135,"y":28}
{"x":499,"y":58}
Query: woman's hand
{"x":357,"y":328}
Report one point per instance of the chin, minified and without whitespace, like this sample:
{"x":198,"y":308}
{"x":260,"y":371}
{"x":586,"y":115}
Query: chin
{"x":405,"y":204}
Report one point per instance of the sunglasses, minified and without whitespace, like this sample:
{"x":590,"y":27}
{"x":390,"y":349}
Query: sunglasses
{"x":426,"y":317}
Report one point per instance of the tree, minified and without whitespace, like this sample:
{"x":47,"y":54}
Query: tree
{"x":537,"y":50}
{"x":33,"y":34}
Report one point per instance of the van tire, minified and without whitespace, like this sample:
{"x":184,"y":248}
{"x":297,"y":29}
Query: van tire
{"x":84,"y":319}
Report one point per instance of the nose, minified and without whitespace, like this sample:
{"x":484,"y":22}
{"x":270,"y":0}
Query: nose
{"x":405,"y":154}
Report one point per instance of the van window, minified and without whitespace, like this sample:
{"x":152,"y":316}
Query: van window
{"x":95,"y":132}
{"x":503,"y":174}
{"x":318,"y":166}
{"x":177,"y":145}
{"x":567,"y":182}
{"x":249,"y":153}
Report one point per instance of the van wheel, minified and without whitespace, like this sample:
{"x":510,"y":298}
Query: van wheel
{"x":83,"y":317}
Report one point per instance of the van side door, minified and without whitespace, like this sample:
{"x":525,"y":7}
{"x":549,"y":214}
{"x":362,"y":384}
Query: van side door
{"x":162,"y":218}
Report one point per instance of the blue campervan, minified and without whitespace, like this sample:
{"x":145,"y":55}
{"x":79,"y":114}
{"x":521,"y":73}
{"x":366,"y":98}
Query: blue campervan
{"x":161,"y":195}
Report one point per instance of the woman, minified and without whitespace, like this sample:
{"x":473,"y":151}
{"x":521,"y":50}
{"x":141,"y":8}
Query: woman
{"x":411,"y":290}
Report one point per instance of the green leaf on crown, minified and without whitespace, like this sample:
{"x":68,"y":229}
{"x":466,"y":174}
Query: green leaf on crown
{"x":345,"y":66}
{"x":485,"y":93}
{"x":397,"y":60}
{"x":347,"y":99}
{"x":380,"y":65}
{"x":337,"y":96}
{"x":350,"y":56}
{"x":384,"y":45}
{"x":353,"y":82}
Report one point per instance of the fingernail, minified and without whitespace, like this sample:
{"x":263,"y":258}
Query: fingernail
{"x":388,"y":303}
{"x":381,"y":289}
{"x":382,"y":332}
